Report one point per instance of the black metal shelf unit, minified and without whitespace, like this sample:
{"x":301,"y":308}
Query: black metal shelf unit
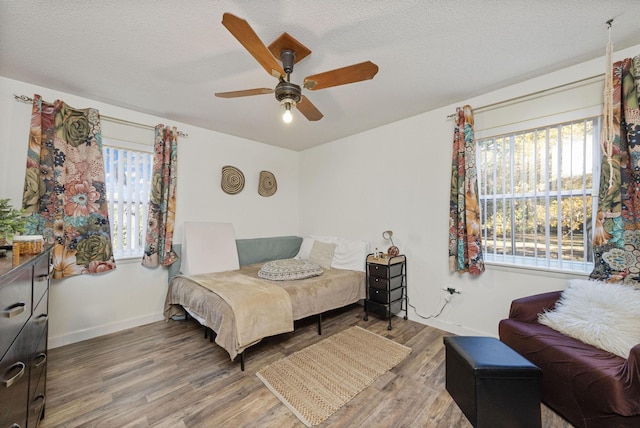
{"x":386,"y":286}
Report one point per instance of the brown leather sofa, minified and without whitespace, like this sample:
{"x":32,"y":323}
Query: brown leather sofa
{"x":587,"y":386}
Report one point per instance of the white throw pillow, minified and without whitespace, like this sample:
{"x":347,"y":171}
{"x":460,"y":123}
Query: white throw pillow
{"x":307,"y":244}
{"x":604,"y":315}
{"x":325,"y":238}
{"x":305,"y":249}
{"x":350,"y":254}
{"x":322,"y":254}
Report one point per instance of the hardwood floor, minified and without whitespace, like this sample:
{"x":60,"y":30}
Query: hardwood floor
{"x":165,"y":374}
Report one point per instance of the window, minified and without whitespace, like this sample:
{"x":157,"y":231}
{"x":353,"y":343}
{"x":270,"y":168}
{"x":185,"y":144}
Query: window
{"x":538,"y":192}
{"x":128,"y":179}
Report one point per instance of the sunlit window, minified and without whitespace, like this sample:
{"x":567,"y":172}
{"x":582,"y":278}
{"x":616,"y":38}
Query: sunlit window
{"x":538,"y":192}
{"x":128,"y":180}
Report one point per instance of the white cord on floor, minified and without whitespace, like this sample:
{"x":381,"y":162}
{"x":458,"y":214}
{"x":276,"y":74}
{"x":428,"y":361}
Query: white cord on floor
{"x":447,"y":300}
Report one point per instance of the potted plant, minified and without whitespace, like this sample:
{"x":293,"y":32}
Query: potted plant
{"x":11,"y":222}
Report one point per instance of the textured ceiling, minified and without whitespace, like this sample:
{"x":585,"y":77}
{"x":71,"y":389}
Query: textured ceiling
{"x":168,"y":58}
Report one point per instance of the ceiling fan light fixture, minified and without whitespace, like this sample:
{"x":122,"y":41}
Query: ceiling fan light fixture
{"x":288,"y":103}
{"x":288,"y":92}
{"x":290,"y":51}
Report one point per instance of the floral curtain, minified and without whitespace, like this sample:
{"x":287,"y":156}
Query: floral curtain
{"x":162,"y":205}
{"x":616,"y":237}
{"x":465,"y":241}
{"x":64,"y":189}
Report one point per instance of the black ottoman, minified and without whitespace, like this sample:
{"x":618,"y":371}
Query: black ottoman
{"x":493,"y":385}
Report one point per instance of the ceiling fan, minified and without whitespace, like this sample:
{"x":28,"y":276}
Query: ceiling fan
{"x":290,"y":51}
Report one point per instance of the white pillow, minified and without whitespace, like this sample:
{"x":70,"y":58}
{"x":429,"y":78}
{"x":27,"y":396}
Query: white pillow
{"x":307,"y":244}
{"x":325,"y":238}
{"x":350,"y":254}
{"x":305,"y":249}
{"x":604,"y":315}
{"x":322,"y":254}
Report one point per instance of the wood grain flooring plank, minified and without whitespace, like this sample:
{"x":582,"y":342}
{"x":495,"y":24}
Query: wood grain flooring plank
{"x":165,"y":374}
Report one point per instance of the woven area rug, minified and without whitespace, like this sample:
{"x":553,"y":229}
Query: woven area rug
{"x":316,"y":381}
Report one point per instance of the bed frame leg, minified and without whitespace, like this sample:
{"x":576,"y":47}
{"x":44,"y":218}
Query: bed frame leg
{"x":242,"y":361}
{"x":319,"y":324}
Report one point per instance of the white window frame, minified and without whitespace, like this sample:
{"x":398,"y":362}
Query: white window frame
{"x":126,"y":243}
{"x":538,"y":263}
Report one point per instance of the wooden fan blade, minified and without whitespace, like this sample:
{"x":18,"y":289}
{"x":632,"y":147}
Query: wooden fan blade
{"x":341,"y":76}
{"x":242,"y":31}
{"x":308,"y":109}
{"x":245,"y":93}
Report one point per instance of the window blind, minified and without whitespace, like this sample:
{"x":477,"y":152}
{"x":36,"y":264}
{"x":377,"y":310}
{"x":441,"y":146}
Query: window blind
{"x":128,"y":182}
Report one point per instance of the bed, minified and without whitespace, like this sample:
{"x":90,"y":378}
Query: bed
{"x":242,"y":308}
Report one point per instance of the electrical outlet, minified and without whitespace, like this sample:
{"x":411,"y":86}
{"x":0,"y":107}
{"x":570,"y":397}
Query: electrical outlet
{"x":451,"y":290}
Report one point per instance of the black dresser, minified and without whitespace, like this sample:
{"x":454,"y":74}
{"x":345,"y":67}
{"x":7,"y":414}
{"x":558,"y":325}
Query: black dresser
{"x":24,"y":300}
{"x":386,"y":286}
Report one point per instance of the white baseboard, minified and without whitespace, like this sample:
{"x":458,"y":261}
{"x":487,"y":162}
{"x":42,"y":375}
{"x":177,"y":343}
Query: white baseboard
{"x":450,"y":327}
{"x":90,"y":333}
{"x":101,"y":330}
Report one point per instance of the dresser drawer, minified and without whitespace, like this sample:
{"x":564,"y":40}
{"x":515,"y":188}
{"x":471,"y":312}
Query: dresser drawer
{"x":36,"y":405}
{"x":384,"y":283}
{"x":14,"y":383}
{"x":38,"y":322}
{"x":383,"y":296}
{"x":15,"y":306}
{"x":38,"y":362}
{"x":385,"y":271}
{"x":37,"y":376}
{"x":41,"y":277}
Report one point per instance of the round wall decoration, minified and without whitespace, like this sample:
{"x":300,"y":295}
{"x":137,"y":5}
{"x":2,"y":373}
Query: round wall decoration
{"x":232,"y":180}
{"x":268,"y":184}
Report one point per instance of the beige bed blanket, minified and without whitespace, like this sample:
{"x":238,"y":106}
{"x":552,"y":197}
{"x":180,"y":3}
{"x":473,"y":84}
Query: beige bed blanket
{"x":260,"y":309}
{"x":333,"y":289}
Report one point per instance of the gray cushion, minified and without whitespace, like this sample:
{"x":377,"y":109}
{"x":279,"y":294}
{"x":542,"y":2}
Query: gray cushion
{"x":254,"y":250}
{"x":258,"y":250}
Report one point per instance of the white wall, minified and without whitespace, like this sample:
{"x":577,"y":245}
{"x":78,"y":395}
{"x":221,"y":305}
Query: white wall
{"x":393,"y":177}
{"x":397,"y":177}
{"x":90,"y":305}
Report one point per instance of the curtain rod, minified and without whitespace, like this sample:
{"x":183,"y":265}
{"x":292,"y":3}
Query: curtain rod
{"x":532,"y":94}
{"x":26,"y":99}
